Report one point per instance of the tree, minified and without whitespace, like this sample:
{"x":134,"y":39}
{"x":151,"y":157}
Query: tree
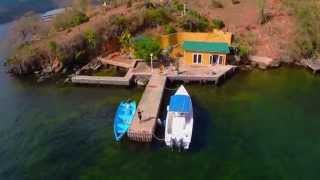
{"x":26,"y":28}
{"x":145,"y":46}
{"x":154,"y":17}
{"x":263,"y":18}
{"x":194,"y":22}
{"x":126,"y":41}
{"x":91,"y":38}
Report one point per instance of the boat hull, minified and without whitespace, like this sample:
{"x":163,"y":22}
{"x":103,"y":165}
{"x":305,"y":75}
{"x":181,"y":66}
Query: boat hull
{"x":179,"y":120}
{"x":123,"y":118}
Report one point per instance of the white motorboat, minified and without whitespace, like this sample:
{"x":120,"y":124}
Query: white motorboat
{"x":179,"y":121}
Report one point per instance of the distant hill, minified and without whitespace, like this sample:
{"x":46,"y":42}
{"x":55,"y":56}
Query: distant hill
{"x":11,"y":9}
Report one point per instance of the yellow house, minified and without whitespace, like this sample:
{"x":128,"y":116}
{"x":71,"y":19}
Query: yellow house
{"x":199,"y":48}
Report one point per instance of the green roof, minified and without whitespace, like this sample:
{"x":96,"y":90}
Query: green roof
{"x":196,"y":46}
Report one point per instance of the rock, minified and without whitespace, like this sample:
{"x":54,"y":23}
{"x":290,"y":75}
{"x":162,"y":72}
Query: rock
{"x":263,"y":62}
{"x":43,"y":77}
{"x":56,"y":66}
{"x":67,"y":80}
{"x":262,"y":66}
{"x":275,"y":64}
{"x":64,"y":71}
{"x":246,"y":67}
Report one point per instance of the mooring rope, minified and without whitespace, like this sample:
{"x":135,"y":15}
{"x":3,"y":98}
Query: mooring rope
{"x":157,"y":138}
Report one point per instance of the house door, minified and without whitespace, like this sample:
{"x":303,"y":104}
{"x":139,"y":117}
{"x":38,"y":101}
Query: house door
{"x":214,"y":59}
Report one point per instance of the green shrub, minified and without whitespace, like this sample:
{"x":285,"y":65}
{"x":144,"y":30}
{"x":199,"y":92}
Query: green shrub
{"x":244,"y":43}
{"x":68,"y":19}
{"x":118,"y":25}
{"x":154,"y":17}
{"x":91,"y":38}
{"x":244,"y":52}
{"x":79,"y":18}
{"x":177,"y":5}
{"x":53,"y":47}
{"x":217,"y":24}
{"x":145,"y":46}
{"x":126,"y":41}
{"x":169,"y":29}
{"x":194,"y":22}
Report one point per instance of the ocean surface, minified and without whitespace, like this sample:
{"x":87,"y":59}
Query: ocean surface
{"x":257,"y":125}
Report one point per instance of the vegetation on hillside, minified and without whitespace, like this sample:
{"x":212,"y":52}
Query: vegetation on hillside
{"x":217,"y":24}
{"x":144,"y":47}
{"x":194,"y":22}
{"x":69,"y":18}
{"x":126,"y":41}
{"x":156,"y":16}
{"x":307,"y":42}
{"x":245,"y":43}
{"x":27,"y":28}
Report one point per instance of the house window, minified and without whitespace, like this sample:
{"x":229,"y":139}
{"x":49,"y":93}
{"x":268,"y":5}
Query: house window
{"x":221,"y":60}
{"x":197,"y":58}
{"x":214,"y":59}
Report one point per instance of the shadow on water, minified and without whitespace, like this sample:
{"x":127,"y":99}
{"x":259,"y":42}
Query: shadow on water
{"x":201,"y":125}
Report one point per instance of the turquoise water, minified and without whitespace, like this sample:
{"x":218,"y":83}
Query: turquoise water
{"x":257,"y":125}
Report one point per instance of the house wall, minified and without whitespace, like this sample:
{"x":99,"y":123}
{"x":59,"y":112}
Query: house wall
{"x":175,"y":41}
{"x":188,"y":57}
{"x":178,"y":38}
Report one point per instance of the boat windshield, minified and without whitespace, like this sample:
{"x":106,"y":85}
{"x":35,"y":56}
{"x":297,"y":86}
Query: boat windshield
{"x":179,"y":114}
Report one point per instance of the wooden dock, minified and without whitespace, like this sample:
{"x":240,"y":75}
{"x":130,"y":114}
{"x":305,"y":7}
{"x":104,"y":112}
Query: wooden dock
{"x":104,"y":80}
{"x":124,"y":63}
{"x":220,"y":73}
{"x":150,"y":102}
{"x":143,"y":130}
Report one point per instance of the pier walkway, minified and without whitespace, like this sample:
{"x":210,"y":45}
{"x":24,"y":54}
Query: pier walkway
{"x":202,"y":74}
{"x":143,"y":130}
{"x":119,"y":62}
{"x":103,"y":80}
{"x":150,"y":102}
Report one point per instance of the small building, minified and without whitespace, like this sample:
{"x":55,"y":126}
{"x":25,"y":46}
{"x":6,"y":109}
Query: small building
{"x":199,"y":48}
{"x":207,"y":53}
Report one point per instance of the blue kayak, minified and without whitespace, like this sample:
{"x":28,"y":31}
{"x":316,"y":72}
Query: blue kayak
{"x":123,"y":118}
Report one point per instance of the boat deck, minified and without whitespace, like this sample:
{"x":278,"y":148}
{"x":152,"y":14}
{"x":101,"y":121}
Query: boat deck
{"x":143,"y":130}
